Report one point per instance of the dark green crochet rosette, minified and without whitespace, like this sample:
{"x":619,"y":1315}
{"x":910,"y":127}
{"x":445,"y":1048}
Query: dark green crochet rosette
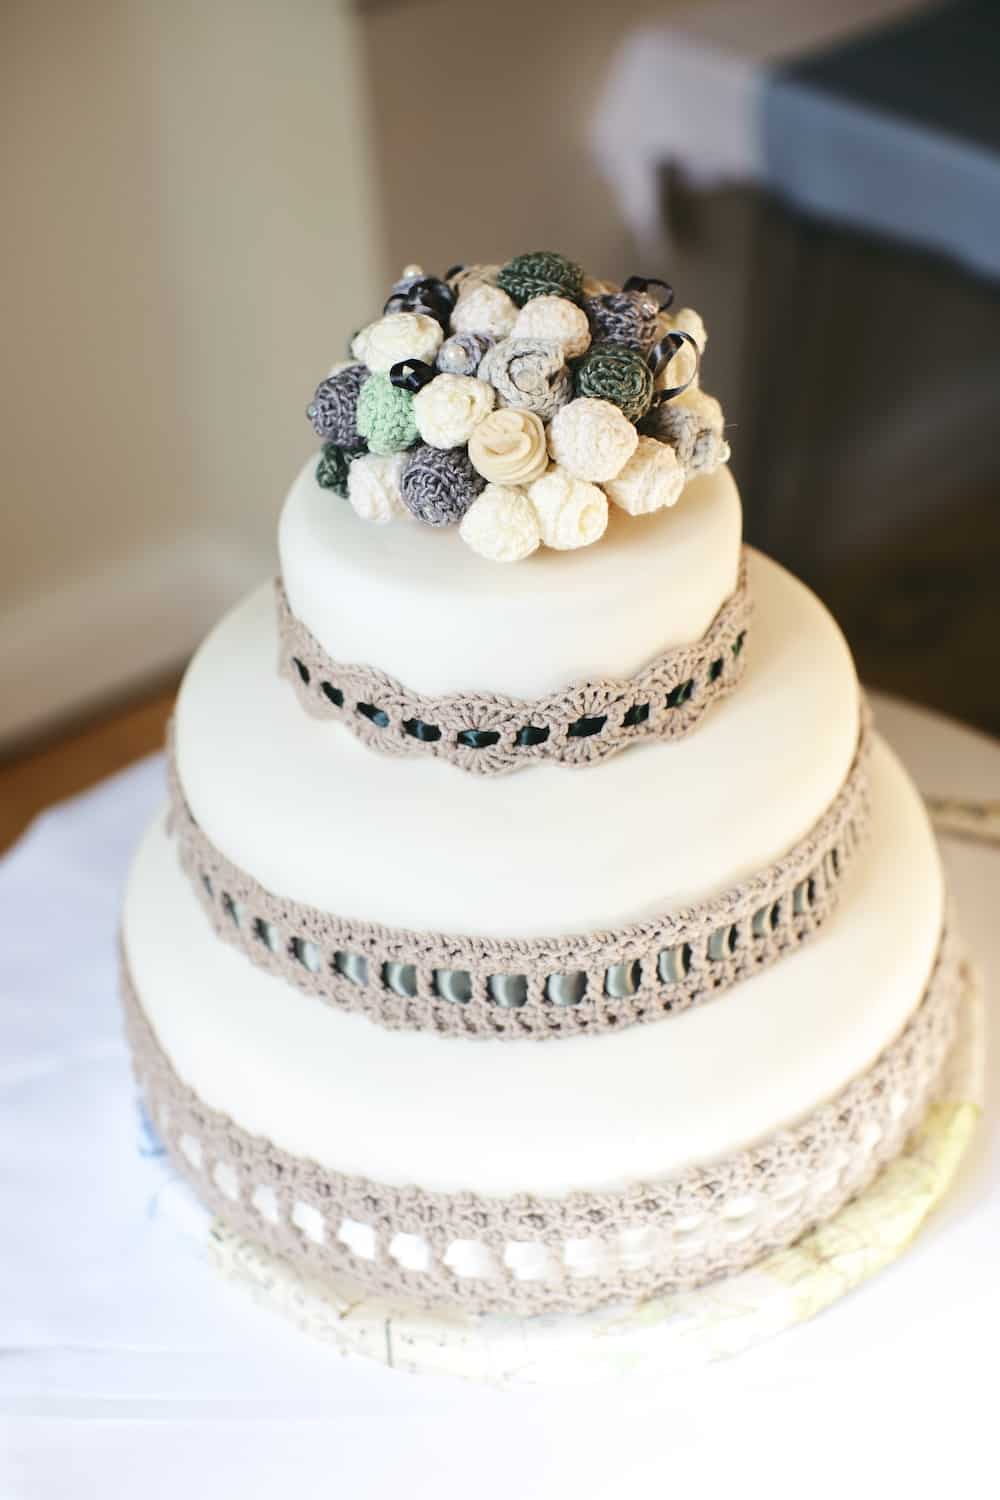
{"x":334,"y":466}
{"x":616,"y":373}
{"x":540,"y":273}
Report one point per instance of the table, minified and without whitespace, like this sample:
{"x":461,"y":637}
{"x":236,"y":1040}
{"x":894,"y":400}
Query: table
{"x":130,"y":1368}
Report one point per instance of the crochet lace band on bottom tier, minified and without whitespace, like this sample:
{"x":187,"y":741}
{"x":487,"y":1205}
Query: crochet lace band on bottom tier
{"x":527,"y":1254}
{"x":534,"y":987}
{"x":490,"y":734}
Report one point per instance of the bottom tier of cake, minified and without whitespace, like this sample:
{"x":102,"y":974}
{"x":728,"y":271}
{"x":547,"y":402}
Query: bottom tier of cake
{"x":532,"y":1175}
{"x":655,"y":1339}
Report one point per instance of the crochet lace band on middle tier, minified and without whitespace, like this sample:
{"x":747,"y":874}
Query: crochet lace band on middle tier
{"x":534,"y":987}
{"x":489,"y":734}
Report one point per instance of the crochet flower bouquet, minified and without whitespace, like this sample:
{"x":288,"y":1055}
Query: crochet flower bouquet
{"x":516,"y":402}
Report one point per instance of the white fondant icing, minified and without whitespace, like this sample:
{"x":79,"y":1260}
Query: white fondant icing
{"x":318,"y":817}
{"x":412,"y":601}
{"x":409,"y":1107}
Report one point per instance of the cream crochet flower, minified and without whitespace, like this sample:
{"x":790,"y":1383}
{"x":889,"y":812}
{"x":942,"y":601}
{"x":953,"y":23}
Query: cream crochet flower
{"x":502,"y":525}
{"x":483,"y":309}
{"x":555,"y":318}
{"x":570,"y":512}
{"x":592,"y":439}
{"x":652,"y":479}
{"x":508,"y":446}
{"x":472,"y":275}
{"x":373,"y":486}
{"x":449,"y":407}
{"x":593,"y":286}
{"x":686,"y":320}
{"x":682,"y":367}
{"x":396,"y":337}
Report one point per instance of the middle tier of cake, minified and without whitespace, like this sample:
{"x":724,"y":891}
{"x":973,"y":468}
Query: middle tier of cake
{"x":318,"y":818}
{"x":411,"y":1107}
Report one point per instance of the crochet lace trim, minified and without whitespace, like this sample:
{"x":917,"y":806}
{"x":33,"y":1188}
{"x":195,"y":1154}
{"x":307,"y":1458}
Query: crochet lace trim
{"x":490,"y":734}
{"x":532,"y":1254}
{"x":534,"y":987}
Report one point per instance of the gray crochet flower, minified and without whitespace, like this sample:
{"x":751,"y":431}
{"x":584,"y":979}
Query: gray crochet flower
{"x":334,"y":408}
{"x":439,"y":485}
{"x":530,"y":374}
{"x":463,"y":353}
{"x":693,"y":427}
{"x":628,"y":318}
{"x":405,"y":285}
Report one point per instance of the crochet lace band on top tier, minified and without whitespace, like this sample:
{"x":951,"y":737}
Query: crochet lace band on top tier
{"x":491,"y":734}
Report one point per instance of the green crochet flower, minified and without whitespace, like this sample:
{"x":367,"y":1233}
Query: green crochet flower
{"x":616,"y":373}
{"x":385,"y":415}
{"x":334,"y":467}
{"x":542,"y":273}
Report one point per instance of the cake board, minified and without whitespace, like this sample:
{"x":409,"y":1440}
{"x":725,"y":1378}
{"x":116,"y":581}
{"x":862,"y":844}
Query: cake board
{"x":665,"y":1335}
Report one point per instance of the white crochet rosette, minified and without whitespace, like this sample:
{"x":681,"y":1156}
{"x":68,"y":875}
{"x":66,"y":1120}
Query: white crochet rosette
{"x":663,"y":1335}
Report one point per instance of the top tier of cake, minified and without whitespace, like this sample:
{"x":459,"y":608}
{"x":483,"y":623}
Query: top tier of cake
{"x":418,"y":604}
{"x":514,"y":414}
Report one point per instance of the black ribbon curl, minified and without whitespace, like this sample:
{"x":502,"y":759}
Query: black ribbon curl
{"x":411,"y":375}
{"x":660,"y":356}
{"x":643,"y":284}
{"x":430,"y":296}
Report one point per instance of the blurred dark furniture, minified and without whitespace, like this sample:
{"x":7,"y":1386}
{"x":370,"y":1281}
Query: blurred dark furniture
{"x":872,"y":460}
{"x":865,"y":386}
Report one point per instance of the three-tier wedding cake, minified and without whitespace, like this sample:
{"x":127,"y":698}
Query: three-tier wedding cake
{"x":537,"y":922}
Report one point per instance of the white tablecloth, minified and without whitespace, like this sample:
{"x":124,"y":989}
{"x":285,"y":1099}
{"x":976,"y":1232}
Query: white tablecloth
{"x":130,"y":1369}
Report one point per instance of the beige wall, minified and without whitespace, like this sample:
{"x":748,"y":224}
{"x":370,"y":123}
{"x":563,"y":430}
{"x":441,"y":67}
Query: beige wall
{"x":482,"y":114}
{"x":205,"y":196}
{"x":191,"y":230}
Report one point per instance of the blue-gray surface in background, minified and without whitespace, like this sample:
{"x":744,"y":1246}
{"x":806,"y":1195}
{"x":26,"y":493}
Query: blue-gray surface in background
{"x":898,"y":133}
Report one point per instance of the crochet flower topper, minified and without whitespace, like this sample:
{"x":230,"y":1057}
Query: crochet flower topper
{"x":517,"y":402}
